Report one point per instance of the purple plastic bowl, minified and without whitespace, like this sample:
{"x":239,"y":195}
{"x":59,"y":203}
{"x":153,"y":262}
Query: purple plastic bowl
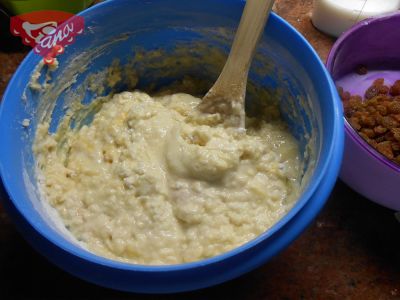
{"x":373,"y":43}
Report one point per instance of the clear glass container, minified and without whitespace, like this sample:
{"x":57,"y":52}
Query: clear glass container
{"x":336,"y":16}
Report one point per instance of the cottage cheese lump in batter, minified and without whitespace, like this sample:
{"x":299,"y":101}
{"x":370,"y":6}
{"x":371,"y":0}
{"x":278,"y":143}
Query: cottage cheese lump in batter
{"x":149,"y":181}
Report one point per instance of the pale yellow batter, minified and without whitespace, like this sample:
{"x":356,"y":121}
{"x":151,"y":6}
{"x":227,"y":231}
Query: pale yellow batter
{"x":151,"y":182}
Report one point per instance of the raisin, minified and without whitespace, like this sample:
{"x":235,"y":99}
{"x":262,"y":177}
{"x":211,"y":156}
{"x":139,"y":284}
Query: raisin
{"x":382,"y":109}
{"x":345,"y":96}
{"x":380,"y":129}
{"x":386,"y":149}
{"x":394,"y":107}
{"x":355,"y":123}
{"x":355,"y":103}
{"x":389,"y":122}
{"x":396,"y":146}
{"x":395,"y":89}
{"x":356,"y":98}
{"x":372,"y":102}
{"x":397,"y":159}
{"x":378,"y":117}
{"x":361,"y":70}
{"x":371,"y":92}
{"x":383,"y":90}
{"x":396,"y":117}
{"x":389,"y":136}
{"x":378,"y":82}
{"x":396,"y":133}
{"x":370,"y":133}
{"x":367,"y":121}
{"x":379,"y":98}
{"x":364,"y":136}
{"x":373,"y":143}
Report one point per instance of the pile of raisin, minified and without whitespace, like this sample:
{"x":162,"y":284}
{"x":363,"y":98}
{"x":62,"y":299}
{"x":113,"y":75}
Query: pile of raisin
{"x":377,"y":118}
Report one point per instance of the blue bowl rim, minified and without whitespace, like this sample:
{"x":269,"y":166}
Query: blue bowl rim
{"x":63,"y":244}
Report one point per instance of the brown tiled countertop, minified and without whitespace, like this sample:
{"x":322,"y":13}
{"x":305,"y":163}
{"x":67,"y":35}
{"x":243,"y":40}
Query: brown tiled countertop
{"x":351,"y":251}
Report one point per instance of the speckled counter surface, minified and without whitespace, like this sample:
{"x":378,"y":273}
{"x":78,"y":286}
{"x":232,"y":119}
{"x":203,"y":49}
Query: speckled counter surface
{"x":351,"y":251}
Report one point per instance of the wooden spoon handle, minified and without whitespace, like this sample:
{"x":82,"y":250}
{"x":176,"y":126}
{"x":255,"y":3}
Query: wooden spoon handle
{"x":251,"y":27}
{"x":227,"y":95}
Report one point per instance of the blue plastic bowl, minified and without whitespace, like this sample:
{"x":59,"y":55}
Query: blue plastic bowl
{"x":286,"y":65}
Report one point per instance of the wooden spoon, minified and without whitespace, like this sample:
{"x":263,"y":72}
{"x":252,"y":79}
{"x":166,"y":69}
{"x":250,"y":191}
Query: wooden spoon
{"x":228,"y":93}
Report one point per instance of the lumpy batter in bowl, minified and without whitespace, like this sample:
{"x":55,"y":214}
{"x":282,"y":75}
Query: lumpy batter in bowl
{"x":149,"y":181}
